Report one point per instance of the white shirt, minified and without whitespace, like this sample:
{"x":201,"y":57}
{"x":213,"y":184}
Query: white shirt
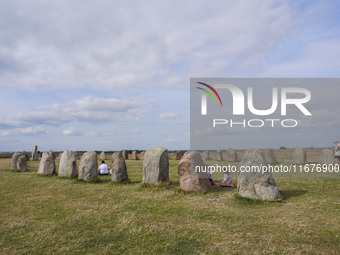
{"x":104,"y":169}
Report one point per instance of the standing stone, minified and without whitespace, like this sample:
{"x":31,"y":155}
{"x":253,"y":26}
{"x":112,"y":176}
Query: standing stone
{"x":25,"y":153}
{"x":114,"y":156}
{"x":299,"y":156}
{"x":134,"y":155}
{"x":47,"y":164}
{"x":219,"y":155}
{"x":77,"y":155}
{"x":102,"y":156}
{"x":189,"y":178}
{"x":88,"y":166}
{"x":269,"y":156}
{"x":156,"y":165}
{"x":60,"y":155}
{"x":14,"y":160}
{"x":327,"y":156}
{"x":68,"y":164}
{"x":125,"y":154}
{"x":231,"y":155}
{"x":142,"y":155}
{"x":256,"y":184}
{"x":52,"y":153}
{"x":179,"y":155}
{"x":119,"y":172}
{"x":22,"y":163}
{"x":35,"y":156}
{"x":205,"y":155}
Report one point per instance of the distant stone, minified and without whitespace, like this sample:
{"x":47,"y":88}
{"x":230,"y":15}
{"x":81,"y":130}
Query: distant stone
{"x":253,"y":184}
{"x":219,"y":155}
{"x":156,"y":165}
{"x":269,"y":156}
{"x":327,"y":156}
{"x":47,"y":164}
{"x":179,"y":155}
{"x":22,"y":163}
{"x":142,"y":155}
{"x":205,"y":155}
{"x":25,"y":153}
{"x":119,"y":172}
{"x":14,"y":160}
{"x":190,"y":179}
{"x":114,"y":156}
{"x":134,"y":155}
{"x":52,"y":153}
{"x":77,"y":155}
{"x":68,"y":164}
{"x":60,"y":154}
{"x":231,"y":155}
{"x":102,"y":156}
{"x":125,"y":154}
{"x":299,"y":156}
{"x":88,"y":166}
{"x":35,"y":156}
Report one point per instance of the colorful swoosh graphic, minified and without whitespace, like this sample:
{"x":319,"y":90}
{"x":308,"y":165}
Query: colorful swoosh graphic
{"x":212,"y":89}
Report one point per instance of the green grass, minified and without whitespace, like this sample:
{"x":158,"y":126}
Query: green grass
{"x":52,"y":215}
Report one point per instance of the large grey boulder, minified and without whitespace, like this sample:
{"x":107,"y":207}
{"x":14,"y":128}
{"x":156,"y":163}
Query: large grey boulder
{"x":256,"y":184}
{"x":231,"y":155}
{"x":299,"y":156}
{"x":22,"y":163}
{"x":47,"y":164}
{"x":102,"y":156}
{"x":219,"y":155}
{"x":327,"y":156}
{"x":25,"y":153}
{"x":88,"y":166}
{"x":134,"y":155}
{"x":119,"y":172}
{"x":190,"y":179}
{"x":269,"y":156}
{"x":68,"y":164}
{"x":179,"y":155}
{"x":156,"y":165}
{"x":205,"y":155}
{"x":35,"y":156}
{"x":14,"y":160}
{"x":125,"y":154}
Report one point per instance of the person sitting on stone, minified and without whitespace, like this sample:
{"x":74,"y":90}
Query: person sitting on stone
{"x":227,"y":181}
{"x":103,"y":169}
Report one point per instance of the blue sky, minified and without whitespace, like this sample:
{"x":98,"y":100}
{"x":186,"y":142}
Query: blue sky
{"x":112,"y":75}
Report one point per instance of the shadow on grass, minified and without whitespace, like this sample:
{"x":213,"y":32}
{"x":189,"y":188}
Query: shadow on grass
{"x":286,"y":194}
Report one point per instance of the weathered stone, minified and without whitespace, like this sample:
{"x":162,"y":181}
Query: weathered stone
{"x":327,"y":156}
{"x":205,"y":155}
{"x":269,"y":156}
{"x":35,"y":156}
{"x":299,"y":156}
{"x":102,"y":156}
{"x":47,"y":164}
{"x":60,"y":155}
{"x":142,"y":155}
{"x":22,"y":163}
{"x":231,"y":155}
{"x":134,"y":155}
{"x":68,"y":164}
{"x":189,"y":178}
{"x":14,"y":160}
{"x":219,"y":155}
{"x":88,"y":166}
{"x":179,"y":155}
{"x":119,"y":172}
{"x":156,"y":165}
{"x":125,"y":154}
{"x":256,"y":184}
{"x":52,"y":153}
{"x":25,"y":153}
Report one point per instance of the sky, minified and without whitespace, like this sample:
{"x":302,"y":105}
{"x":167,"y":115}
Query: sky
{"x":113,"y":75}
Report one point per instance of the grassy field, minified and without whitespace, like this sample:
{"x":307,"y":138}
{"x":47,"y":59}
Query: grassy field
{"x":51,"y":215}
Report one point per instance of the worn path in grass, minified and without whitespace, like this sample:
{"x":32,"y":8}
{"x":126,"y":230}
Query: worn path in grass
{"x":45,"y":215}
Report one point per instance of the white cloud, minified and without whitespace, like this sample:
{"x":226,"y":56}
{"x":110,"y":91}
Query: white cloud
{"x":169,"y":115}
{"x":71,"y":132}
{"x":28,"y":131}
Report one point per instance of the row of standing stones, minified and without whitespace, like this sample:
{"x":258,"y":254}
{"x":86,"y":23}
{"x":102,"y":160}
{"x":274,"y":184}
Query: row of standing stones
{"x":255,"y":185}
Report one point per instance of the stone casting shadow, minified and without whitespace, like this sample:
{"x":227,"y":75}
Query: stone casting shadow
{"x":286,"y":194}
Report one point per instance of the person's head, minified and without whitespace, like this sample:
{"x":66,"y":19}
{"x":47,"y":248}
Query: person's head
{"x":336,"y":141}
{"x":103,"y":162}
